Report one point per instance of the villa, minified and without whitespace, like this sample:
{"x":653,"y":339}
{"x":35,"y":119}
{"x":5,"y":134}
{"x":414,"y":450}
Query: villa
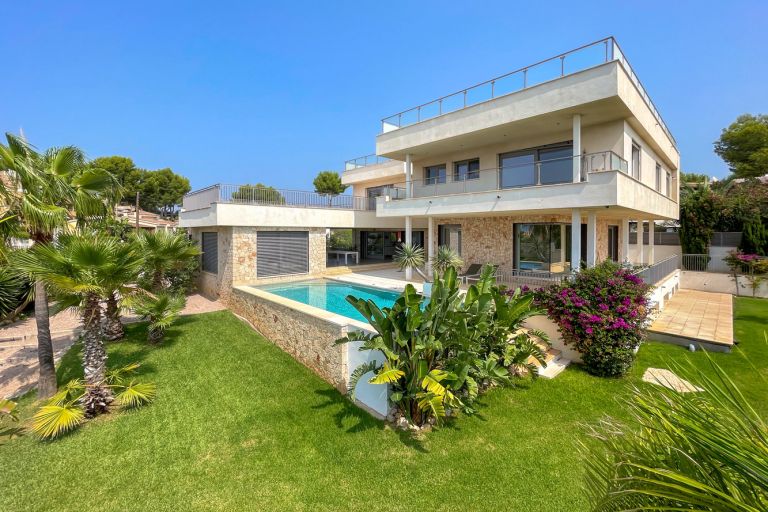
{"x":538,"y":171}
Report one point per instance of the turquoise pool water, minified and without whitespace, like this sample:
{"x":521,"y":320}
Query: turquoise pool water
{"x":331,"y":295}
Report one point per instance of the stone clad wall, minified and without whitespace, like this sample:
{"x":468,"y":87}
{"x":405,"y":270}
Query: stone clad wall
{"x":217,"y":285}
{"x":307,"y":338}
{"x":491,"y":240}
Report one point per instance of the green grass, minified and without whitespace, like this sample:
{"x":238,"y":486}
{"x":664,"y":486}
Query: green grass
{"x":239,"y":425}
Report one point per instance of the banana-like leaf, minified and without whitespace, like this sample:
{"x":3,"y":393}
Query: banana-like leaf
{"x":432,"y":382}
{"x":431,"y":404}
{"x":387,"y":375}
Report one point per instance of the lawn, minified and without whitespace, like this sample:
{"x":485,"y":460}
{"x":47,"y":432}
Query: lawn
{"x":239,"y":425}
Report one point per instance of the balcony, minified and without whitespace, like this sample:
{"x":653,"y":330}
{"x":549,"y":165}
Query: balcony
{"x":364,"y":161}
{"x":538,"y":186}
{"x":562,"y":65}
{"x":536,"y":173}
{"x":250,"y":195}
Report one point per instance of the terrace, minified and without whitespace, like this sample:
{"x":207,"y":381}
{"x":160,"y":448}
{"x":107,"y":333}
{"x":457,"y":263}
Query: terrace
{"x":266,"y":196}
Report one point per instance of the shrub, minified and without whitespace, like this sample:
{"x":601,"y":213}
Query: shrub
{"x":754,"y":239}
{"x":441,"y":352}
{"x":601,"y":313}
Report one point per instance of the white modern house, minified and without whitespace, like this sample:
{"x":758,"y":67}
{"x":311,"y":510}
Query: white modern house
{"x":537,"y":171}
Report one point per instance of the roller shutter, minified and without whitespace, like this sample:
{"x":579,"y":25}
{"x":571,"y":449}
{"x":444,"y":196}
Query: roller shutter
{"x":210,"y":247}
{"x":280,"y":253}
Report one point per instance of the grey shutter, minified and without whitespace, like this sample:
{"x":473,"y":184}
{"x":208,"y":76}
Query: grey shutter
{"x":210,"y":243}
{"x":281,"y":253}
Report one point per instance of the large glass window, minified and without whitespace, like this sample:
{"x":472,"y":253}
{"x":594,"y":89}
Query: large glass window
{"x":518,"y":169}
{"x":466,"y":170}
{"x":668,"y":188}
{"x":542,"y":247}
{"x":434,"y":174}
{"x":538,"y":166}
{"x":658,"y":178}
{"x":556,"y":165}
{"x":374,"y":192}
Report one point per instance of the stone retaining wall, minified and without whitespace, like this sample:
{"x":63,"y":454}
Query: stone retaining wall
{"x":307,"y":338}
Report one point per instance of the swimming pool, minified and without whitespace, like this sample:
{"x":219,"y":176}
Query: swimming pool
{"x":331,"y":295}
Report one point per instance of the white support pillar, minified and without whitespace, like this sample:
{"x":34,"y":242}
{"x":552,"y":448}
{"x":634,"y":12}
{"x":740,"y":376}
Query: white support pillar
{"x":430,"y":241}
{"x":576,"y":148}
{"x":563,"y":244}
{"x":640,"y":245}
{"x":408,"y":175}
{"x":408,"y":241}
{"x":651,"y":242}
{"x":625,"y":240}
{"x":591,"y":239}
{"x":575,"y":240}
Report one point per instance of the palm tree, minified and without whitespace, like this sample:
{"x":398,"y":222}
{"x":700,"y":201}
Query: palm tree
{"x":160,"y":310}
{"x":164,"y":251}
{"x":40,"y":193}
{"x":79,"y":270}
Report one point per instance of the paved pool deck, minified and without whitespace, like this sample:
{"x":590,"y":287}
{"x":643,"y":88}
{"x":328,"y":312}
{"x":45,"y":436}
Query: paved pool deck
{"x":693,"y":316}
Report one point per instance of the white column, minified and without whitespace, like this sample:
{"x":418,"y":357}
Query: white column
{"x":430,"y":241}
{"x":408,"y":241}
{"x":591,"y":239}
{"x":640,"y":246}
{"x":625,"y":240}
{"x":651,"y":242}
{"x":408,"y":174}
{"x":576,"y":148}
{"x":575,"y":240}
{"x":562,"y":246}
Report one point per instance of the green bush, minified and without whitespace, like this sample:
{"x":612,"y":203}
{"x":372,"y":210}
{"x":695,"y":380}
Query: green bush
{"x":754,"y":239}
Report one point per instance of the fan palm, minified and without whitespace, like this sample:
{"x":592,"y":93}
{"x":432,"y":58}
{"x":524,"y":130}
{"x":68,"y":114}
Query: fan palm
{"x":41,"y":193}
{"x":163,"y":251}
{"x":160,"y":310}
{"x":80,"y":270}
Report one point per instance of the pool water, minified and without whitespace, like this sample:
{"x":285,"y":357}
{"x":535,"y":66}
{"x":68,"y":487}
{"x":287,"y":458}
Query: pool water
{"x":331,"y":295}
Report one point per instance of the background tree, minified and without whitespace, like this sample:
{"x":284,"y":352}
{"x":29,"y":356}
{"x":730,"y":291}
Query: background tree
{"x":329,"y":182}
{"x":258,"y":194}
{"x":744,"y":146}
{"x":159,"y":191}
{"x":698,"y":214}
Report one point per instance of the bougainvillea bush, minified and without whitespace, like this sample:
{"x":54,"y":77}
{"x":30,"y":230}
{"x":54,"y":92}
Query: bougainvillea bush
{"x":601,"y":313}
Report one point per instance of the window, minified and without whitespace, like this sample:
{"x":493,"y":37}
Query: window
{"x":434,"y":174}
{"x":466,"y":170}
{"x":658,"y":177}
{"x":373,"y":192}
{"x":449,"y":235}
{"x":210,"y":247}
{"x":280,"y":253}
{"x":635,"y":160}
{"x":542,"y":247}
{"x":668,"y":189}
{"x":538,"y":166}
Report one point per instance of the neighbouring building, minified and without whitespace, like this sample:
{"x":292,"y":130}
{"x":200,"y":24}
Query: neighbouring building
{"x":537,"y":171}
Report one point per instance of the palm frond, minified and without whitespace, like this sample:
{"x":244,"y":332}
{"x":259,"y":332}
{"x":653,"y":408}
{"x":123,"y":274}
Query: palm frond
{"x":370,"y":366}
{"x":387,"y":375}
{"x":135,"y":394}
{"x":53,"y":420}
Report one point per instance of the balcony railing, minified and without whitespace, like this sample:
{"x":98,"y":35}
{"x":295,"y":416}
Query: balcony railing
{"x":364,"y":161}
{"x":541,"y":172}
{"x":249,"y":194}
{"x":568,"y":63}
{"x":655,"y":273}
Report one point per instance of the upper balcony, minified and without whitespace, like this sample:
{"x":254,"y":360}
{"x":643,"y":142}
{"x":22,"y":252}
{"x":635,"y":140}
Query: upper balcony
{"x":267,"y":196}
{"x":600,"y":180}
{"x":594,"y":81}
{"x":370,"y":167}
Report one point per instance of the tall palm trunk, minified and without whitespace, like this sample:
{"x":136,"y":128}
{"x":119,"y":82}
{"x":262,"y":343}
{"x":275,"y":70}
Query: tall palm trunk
{"x":114,"y":328}
{"x":46,"y":381}
{"x":157,"y":281}
{"x":98,"y":396}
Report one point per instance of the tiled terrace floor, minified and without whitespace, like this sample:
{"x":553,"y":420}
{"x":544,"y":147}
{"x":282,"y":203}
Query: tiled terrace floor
{"x":702,"y":316}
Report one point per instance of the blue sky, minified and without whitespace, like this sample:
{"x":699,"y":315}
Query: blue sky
{"x":274,"y":92}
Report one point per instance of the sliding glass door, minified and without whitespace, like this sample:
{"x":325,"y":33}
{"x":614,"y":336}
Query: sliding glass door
{"x":542,"y":247}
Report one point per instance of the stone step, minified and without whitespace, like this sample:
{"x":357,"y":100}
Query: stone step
{"x":554,"y":368}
